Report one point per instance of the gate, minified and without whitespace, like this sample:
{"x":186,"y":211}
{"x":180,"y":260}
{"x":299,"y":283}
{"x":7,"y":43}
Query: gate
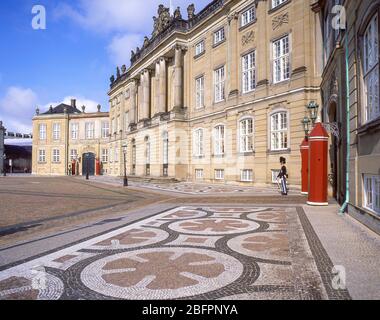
{"x":88,"y":163}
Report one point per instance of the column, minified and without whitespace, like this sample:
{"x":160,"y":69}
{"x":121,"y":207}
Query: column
{"x":146,"y":95}
{"x":141,"y":96}
{"x":157,"y":88}
{"x":163,"y":86}
{"x":178,"y":77}
{"x":132,"y":111}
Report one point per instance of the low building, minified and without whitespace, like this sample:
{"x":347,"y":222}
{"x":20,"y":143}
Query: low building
{"x":69,"y":141}
{"x":2,"y":134}
{"x":354,"y":48}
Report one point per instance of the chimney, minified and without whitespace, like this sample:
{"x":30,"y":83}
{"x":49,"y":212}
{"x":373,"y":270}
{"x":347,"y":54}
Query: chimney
{"x":73,"y":103}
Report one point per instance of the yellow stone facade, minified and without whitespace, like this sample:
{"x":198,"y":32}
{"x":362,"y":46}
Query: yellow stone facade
{"x":59,"y":138}
{"x":154,"y":109}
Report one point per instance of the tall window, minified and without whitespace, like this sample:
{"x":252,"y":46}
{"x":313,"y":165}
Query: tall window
{"x":73,"y":154}
{"x":246,"y":135}
{"x":276,"y":3}
{"x":42,"y":129}
{"x":56,"y":156}
{"x":219,"y":80}
{"x":371,"y":70}
{"x":41,"y":155}
{"x":219,"y":140}
{"x":56,"y":131}
{"x":219,"y":36}
{"x":90,"y":130}
{"x":249,"y":72}
{"x":74,"y":131}
{"x":219,"y":174}
{"x":105,"y":155}
{"x":372,"y":192}
{"x":198,"y":142}
{"x":199,"y":48}
{"x":200,"y":92}
{"x":247,"y":16}
{"x":105,"y":129}
{"x":279,"y":131}
{"x":281,"y":59}
{"x":246,"y":175}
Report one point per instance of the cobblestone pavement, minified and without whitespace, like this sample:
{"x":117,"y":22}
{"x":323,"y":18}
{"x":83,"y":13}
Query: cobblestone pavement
{"x":188,"y":252}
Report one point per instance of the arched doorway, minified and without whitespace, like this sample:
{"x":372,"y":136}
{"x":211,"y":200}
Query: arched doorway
{"x":88,"y":163}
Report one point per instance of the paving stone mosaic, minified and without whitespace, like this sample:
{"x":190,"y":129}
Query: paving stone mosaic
{"x":188,"y":252}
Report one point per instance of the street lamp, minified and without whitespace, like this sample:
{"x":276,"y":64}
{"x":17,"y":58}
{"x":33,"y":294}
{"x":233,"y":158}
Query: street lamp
{"x":4,"y":170}
{"x":313,"y":111}
{"x":125,"y":165}
{"x":306,"y":124}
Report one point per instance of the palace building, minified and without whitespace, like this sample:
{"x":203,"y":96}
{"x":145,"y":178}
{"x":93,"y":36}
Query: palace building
{"x":68,"y":141}
{"x":217,"y":95}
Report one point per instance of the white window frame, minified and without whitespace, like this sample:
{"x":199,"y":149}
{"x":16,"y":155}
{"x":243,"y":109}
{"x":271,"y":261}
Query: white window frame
{"x":56,"y":131}
{"x":198,"y":138}
{"x":279,"y":136}
{"x":276,"y":3}
{"x":281,"y":59}
{"x":246,"y":175}
{"x":200,"y":92}
{"x":371,"y":70}
{"x":199,"y":174}
{"x":246,"y":134}
{"x":219,"y":139}
{"x":73,"y":154}
{"x":199,"y":48}
{"x":248,"y":68}
{"x":56,"y":156}
{"x":41,"y":155}
{"x":219,"y":84}
{"x":371,"y":192}
{"x":248,"y":16}
{"x":219,"y":174}
{"x":105,"y":129}
{"x":104,"y":155}
{"x":42,"y":131}
{"x":89,"y":130}
{"x":74,"y":128}
{"x":219,"y":36}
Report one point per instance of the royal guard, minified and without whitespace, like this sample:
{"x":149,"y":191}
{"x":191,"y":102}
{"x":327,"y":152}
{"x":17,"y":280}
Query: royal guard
{"x":318,"y":149}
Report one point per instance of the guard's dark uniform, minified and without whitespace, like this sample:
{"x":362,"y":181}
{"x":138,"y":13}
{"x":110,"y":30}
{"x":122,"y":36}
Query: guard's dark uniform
{"x":283,"y":176}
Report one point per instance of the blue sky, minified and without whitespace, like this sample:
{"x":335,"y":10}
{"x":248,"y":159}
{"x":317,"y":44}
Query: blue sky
{"x":83,"y":43}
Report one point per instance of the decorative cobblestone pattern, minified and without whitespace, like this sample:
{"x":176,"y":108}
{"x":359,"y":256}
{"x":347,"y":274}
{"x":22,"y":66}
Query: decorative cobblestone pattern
{"x":186,"y":253}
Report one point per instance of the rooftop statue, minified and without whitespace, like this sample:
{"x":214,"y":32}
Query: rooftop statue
{"x":162,"y":21}
{"x":191,"y":11}
{"x":177,"y":13}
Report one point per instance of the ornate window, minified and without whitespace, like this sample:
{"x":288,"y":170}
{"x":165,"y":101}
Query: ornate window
{"x":56,"y":131}
{"x":219,"y":84}
{"x":105,"y":129}
{"x":249,"y":72}
{"x":246,"y":135}
{"x":74,"y":131}
{"x":200,"y":92}
{"x":372,"y":192}
{"x":279,"y":131}
{"x":371,"y":70}
{"x":42,"y":129}
{"x":41,"y":155}
{"x":56,"y":156}
{"x":281,"y":59}
{"x":219,"y":140}
{"x":199,"y":48}
{"x":219,"y":36}
{"x":248,"y":16}
{"x":198,"y":142}
{"x":90,"y":130}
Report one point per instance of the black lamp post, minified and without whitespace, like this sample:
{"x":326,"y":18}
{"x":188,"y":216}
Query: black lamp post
{"x":125,"y":183}
{"x":4,"y":169}
{"x":306,"y":123}
{"x":313,"y":111}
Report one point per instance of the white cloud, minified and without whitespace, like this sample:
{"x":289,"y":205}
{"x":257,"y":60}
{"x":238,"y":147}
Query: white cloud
{"x":18,"y":106}
{"x":120,"y":47}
